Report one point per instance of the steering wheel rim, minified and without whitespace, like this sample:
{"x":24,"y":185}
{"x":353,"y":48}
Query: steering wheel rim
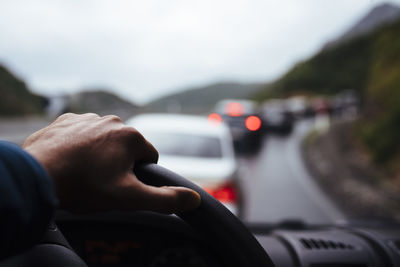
{"x":233,"y":241}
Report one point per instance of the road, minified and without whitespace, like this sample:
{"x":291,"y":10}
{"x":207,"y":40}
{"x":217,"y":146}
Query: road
{"x":277,"y":185}
{"x":16,"y":130}
{"x":275,"y":181}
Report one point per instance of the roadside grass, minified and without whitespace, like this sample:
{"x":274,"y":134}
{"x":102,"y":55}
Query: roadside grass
{"x":311,"y":137}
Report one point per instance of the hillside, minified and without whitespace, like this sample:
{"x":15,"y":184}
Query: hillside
{"x":101,"y":102}
{"x":201,"y":99}
{"x":344,"y":65}
{"x":16,"y":98}
{"x":369,"y":64}
{"x":379,"y":16}
{"x":330,"y":71}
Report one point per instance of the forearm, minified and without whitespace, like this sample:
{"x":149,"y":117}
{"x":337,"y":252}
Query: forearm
{"x":27,"y":200}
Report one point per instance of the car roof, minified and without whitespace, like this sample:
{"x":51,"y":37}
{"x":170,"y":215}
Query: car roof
{"x":274,"y":104}
{"x":190,"y":124}
{"x":249,"y":106}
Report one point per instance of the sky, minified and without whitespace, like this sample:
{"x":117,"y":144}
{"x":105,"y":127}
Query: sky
{"x":144,"y":49}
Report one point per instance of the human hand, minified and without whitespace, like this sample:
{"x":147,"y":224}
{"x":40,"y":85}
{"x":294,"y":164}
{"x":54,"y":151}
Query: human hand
{"x":91,"y":160}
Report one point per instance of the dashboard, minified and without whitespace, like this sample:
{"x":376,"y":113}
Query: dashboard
{"x":332,"y":246}
{"x":148,"y":239}
{"x":138,"y":239}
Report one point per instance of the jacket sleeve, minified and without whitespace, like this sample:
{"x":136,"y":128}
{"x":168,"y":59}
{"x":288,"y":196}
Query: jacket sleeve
{"x":27,"y":200}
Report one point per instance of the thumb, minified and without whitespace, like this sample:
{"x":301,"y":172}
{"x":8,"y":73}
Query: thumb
{"x":135,"y":195}
{"x":171,"y":199}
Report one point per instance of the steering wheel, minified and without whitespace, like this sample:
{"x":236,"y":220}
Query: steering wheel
{"x":231,"y":240}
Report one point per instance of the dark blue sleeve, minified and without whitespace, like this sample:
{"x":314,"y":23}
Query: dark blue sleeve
{"x":27,"y":200}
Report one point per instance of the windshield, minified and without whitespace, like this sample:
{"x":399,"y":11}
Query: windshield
{"x":185,"y":145}
{"x":307,"y":93}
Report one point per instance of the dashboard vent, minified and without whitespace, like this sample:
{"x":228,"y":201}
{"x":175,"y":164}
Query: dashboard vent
{"x":311,"y":243}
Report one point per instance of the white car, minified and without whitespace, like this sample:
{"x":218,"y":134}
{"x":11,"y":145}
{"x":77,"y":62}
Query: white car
{"x":197,"y":148}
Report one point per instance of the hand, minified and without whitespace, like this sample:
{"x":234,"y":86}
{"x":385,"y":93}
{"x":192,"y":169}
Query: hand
{"x":91,"y":159}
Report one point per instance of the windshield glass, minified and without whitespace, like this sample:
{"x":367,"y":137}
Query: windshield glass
{"x":308,"y":92}
{"x":185,"y":145}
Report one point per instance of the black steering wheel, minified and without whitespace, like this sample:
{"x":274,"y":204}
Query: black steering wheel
{"x":231,"y":240}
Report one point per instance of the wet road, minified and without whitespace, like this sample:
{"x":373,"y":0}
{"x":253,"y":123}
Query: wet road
{"x":276,"y":183}
{"x":278,"y":186}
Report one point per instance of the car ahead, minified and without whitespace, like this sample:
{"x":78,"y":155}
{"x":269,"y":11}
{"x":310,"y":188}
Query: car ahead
{"x":244,"y":121}
{"x":276,"y":117}
{"x":346,"y":104}
{"x":321,"y":106}
{"x":198,"y":148}
{"x":298,"y":106}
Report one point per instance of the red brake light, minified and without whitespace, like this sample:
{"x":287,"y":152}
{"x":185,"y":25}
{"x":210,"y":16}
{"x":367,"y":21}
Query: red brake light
{"x":225,"y":193}
{"x":234,"y":109}
{"x":214,"y":118}
{"x":253,"y":123}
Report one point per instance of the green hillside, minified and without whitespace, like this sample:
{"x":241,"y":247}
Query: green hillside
{"x":369,"y":64}
{"x":330,"y":71}
{"x":16,"y":99}
{"x":202,"y":99}
{"x":382,"y":90}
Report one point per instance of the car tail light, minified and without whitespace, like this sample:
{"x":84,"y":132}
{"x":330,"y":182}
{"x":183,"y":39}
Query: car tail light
{"x":253,"y":123}
{"x":225,"y":193}
{"x":214,"y":118}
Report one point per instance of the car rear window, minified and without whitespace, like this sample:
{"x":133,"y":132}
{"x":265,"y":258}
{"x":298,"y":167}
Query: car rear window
{"x":178,"y":144}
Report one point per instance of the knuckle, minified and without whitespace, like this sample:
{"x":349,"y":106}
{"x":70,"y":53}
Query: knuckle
{"x":156,"y":155}
{"x":66,"y":115}
{"x":91,"y":114}
{"x":132,"y":133}
{"x":112,"y":118}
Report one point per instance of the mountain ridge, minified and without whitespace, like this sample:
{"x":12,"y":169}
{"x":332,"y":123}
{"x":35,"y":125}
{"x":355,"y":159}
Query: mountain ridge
{"x":201,"y":99}
{"x":378,"y":16}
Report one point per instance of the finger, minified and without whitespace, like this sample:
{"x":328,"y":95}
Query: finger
{"x":140,"y":148}
{"x":151,"y":153}
{"x":166,"y":199}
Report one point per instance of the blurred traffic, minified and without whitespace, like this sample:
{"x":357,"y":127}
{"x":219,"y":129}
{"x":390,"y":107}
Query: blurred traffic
{"x":244,"y":121}
{"x":214,"y":150}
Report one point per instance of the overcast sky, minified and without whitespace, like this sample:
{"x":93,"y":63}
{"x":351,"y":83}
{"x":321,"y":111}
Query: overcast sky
{"x":143,"y":49}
